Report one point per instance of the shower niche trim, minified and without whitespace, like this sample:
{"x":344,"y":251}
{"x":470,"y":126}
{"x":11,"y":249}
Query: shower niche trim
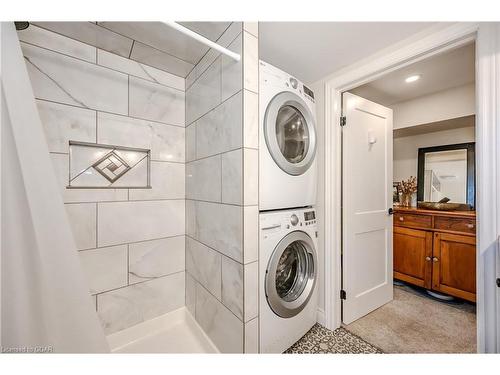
{"x":101,"y":166}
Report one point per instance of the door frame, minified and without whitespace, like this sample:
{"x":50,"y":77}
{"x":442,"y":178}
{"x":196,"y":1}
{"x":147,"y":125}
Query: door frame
{"x":429,"y":42}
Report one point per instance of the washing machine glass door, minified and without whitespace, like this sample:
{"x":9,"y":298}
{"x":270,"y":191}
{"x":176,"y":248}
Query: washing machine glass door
{"x":290,"y":133}
{"x":291,"y":274}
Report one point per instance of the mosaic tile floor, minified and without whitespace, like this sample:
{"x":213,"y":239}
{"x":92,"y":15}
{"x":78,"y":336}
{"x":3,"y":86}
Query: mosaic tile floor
{"x":320,"y":340}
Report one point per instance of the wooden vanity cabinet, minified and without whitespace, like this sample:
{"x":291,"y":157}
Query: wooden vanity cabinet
{"x":436,"y":250}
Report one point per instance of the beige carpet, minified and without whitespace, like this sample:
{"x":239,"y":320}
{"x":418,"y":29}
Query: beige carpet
{"x":413,"y":323}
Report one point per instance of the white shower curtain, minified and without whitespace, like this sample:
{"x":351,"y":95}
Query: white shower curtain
{"x":45,"y":301}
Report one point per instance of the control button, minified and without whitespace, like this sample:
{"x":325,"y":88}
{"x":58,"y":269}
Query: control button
{"x":293,"y":82}
{"x":294,"y":220}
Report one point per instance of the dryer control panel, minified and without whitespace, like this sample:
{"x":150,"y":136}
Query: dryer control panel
{"x":274,"y":76}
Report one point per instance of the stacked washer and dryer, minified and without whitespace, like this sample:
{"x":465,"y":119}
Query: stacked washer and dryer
{"x":288,"y":262}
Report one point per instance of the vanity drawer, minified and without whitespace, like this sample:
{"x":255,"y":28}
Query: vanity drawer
{"x":413,"y":221}
{"x":455,"y":224}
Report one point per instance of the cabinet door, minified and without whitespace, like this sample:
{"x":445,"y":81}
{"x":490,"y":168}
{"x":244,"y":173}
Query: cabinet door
{"x":454,"y":265}
{"x":412,"y":251}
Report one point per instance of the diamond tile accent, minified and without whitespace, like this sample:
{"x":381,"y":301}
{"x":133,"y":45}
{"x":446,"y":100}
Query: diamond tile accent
{"x":111,"y":166}
{"x":99,"y":166}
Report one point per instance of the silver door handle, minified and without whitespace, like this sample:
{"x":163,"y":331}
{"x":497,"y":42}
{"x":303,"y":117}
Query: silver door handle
{"x":272,"y":227}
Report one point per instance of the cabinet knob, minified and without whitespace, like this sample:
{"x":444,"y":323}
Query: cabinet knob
{"x":401,"y":218}
{"x":428,"y":258}
{"x":435,"y":259}
{"x":470,"y":226}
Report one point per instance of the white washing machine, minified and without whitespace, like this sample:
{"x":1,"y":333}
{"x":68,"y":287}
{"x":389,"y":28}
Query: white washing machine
{"x":287,"y":133}
{"x":288,"y":271}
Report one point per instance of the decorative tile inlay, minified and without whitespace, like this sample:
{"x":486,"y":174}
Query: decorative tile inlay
{"x":94,"y":165}
{"x":111,"y":166}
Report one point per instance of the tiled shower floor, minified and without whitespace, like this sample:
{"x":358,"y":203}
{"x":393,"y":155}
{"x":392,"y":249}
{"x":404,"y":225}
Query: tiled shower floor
{"x":175,"y":332}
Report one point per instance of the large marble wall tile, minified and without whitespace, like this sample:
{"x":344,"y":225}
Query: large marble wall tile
{"x":225,"y":40}
{"x":90,"y":33}
{"x":61,"y":167}
{"x":72,"y":81}
{"x":156,"y":258}
{"x":252,"y":336}
{"x":219,"y":323}
{"x":58,"y":43}
{"x":125,"y":307}
{"x":251,"y":291}
{"x":191,"y":218}
{"x":122,"y":222}
{"x":191,"y":142}
{"x":250,"y":119}
{"x":106,"y":268}
{"x":134,"y":68}
{"x":232,"y":70}
{"x":220,"y":227}
{"x":204,"y":265}
{"x":121,"y":64}
{"x":230,"y":34}
{"x":220,"y":130}
{"x":190,"y":294}
{"x":251,"y":176}
{"x":62,"y":123}
{"x":165,"y":142}
{"x":251,"y":234}
{"x":160,"y":60}
{"x":205,"y":93}
{"x":250,"y":62}
{"x":232,"y":286}
{"x":203,"y":179}
{"x":82,"y":219}
{"x":167,"y":182}
{"x":232,"y":180}
{"x":162,"y":37}
{"x":155,"y":102}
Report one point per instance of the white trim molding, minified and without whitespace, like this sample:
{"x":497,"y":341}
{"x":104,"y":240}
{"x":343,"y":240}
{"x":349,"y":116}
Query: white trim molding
{"x":423,"y":45}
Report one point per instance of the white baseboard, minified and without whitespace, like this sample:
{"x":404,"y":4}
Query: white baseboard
{"x":320,"y":316}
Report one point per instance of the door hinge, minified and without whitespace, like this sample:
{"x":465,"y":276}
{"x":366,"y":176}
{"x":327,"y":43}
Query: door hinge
{"x":343,"y":294}
{"x":342,"y":120}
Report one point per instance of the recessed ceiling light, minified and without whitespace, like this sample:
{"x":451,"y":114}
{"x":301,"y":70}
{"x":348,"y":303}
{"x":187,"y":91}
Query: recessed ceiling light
{"x":413,"y":78}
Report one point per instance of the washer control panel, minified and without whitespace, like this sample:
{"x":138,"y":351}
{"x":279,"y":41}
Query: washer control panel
{"x":310,"y":217}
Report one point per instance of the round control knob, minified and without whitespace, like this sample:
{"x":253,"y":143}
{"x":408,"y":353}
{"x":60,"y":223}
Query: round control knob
{"x":294,"y":220}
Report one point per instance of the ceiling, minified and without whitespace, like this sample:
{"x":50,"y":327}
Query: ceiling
{"x":444,"y":71}
{"x":312,"y":50}
{"x":151,"y":43}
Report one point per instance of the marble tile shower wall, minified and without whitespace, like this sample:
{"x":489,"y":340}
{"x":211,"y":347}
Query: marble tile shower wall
{"x":222,"y":192}
{"x":131,"y":241}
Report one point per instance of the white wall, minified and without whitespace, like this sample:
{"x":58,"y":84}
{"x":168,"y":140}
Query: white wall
{"x":443,"y":105}
{"x":406,"y":148}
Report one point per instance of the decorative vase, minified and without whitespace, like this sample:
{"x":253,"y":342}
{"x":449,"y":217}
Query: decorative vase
{"x":405,"y":200}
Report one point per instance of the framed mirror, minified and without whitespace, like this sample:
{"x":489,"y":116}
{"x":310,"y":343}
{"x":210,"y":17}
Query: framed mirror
{"x":447,"y":172}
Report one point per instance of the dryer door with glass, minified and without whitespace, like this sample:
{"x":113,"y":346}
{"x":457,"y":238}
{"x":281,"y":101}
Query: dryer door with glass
{"x":291,"y":274}
{"x":290,"y":133}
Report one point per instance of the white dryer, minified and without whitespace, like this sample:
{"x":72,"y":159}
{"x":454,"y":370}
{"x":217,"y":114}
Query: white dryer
{"x":288,"y":271}
{"x":287,"y":134}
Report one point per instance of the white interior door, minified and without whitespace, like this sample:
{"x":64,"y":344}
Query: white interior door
{"x":367,"y":197}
